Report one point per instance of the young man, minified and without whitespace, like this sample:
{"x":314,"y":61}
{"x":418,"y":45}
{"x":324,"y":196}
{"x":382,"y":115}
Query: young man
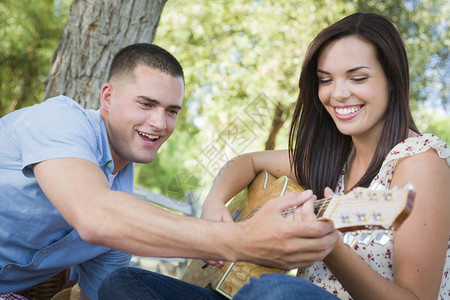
{"x":66,"y":177}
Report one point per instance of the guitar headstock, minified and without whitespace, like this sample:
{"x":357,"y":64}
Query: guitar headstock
{"x":367,"y":209}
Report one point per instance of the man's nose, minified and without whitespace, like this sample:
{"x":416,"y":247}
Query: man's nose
{"x":158,"y":119}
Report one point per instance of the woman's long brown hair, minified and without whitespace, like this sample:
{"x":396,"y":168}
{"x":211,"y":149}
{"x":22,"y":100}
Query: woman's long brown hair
{"x":318,"y":150}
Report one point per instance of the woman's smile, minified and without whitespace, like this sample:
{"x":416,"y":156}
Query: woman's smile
{"x":347,"y":112}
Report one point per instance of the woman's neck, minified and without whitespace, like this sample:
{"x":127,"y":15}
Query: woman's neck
{"x":358,"y":161}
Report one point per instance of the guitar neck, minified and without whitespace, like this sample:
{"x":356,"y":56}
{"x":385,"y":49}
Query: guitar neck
{"x":320,"y":206}
{"x":363,"y":208}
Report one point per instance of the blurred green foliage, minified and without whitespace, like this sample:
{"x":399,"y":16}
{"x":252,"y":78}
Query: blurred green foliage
{"x":29,"y":31}
{"x":428,"y":120}
{"x":235,"y":51}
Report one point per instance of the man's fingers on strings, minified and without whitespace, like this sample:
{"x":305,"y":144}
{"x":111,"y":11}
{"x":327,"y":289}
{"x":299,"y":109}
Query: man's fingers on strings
{"x":292,"y":200}
{"x":313,"y":229}
{"x":307,"y":211}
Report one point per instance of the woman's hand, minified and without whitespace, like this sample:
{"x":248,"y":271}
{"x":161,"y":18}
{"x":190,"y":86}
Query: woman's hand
{"x":216,"y":211}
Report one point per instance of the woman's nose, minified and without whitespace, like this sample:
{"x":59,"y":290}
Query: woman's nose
{"x":340,"y":91}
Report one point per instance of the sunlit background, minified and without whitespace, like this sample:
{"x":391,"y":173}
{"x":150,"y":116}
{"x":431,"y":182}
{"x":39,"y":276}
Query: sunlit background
{"x":241,"y":60}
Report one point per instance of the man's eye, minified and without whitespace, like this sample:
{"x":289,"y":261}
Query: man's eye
{"x":146,"y":104}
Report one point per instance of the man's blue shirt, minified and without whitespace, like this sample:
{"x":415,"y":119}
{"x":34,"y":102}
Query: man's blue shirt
{"x":35,"y":240}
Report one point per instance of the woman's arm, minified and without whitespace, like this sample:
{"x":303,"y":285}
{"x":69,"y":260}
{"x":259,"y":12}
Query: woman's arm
{"x":237,"y":174}
{"x":420,"y":244}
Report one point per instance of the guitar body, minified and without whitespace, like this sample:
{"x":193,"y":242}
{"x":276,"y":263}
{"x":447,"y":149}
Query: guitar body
{"x":230,"y":277}
{"x":359,"y":209}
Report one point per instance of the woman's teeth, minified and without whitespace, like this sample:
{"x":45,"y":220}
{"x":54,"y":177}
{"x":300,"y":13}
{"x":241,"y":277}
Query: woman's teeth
{"x":347,"y":110}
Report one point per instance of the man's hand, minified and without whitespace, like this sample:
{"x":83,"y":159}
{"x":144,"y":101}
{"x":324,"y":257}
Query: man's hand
{"x":286,"y":243}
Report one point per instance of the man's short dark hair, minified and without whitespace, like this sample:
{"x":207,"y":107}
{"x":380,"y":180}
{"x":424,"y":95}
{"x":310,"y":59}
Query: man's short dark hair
{"x":126,"y":60}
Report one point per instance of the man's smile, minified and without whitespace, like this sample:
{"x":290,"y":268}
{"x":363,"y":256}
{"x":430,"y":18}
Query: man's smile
{"x":149,"y":137}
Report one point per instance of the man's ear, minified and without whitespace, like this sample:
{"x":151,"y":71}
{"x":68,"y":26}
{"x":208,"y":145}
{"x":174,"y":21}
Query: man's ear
{"x":105,"y":96}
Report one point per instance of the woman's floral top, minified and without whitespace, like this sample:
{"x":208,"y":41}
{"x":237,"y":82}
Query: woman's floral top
{"x":376,"y":246}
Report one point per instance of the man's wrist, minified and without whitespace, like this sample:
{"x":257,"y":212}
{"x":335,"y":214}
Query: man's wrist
{"x":232,"y":241}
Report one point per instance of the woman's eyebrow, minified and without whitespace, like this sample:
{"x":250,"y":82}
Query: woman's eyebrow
{"x":356,"y":69}
{"x":348,"y":71}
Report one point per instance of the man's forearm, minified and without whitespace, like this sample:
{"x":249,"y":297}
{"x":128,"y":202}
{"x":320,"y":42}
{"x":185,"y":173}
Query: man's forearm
{"x":127,"y":223}
{"x":138,"y":227}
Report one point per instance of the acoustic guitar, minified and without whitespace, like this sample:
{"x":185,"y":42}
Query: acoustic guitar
{"x":360,"y":209}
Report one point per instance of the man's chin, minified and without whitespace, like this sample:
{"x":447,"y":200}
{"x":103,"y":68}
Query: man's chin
{"x":146,"y":160}
{"x":143,"y":157}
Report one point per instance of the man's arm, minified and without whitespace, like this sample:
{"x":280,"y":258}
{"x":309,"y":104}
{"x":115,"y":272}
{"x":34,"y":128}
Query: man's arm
{"x":80,"y":191}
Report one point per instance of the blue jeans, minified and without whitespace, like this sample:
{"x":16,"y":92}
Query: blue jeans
{"x":280,"y":286}
{"x":137,"y":284}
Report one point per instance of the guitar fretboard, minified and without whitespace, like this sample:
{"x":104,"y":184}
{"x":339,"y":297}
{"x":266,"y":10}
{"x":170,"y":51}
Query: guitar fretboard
{"x":320,"y":206}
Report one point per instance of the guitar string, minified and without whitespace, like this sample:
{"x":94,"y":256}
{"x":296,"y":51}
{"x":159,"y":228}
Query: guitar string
{"x":322,"y":204}
{"x":318,"y":204}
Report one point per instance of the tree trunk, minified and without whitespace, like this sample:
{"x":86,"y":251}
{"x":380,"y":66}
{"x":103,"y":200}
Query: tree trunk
{"x":94,"y":32}
{"x":281,"y":114}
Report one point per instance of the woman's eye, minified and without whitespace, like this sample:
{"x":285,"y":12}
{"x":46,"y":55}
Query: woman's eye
{"x":360,"y":78}
{"x":324,"y":81}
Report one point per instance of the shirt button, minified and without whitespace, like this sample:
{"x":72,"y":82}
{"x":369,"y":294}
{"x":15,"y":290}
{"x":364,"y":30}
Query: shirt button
{"x":109,"y":165}
{"x":9,"y":267}
{"x":45,"y":251}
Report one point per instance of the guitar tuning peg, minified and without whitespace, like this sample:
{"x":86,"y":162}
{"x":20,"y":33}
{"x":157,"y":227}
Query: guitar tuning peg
{"x":409,"y":186}
{"x":394,"y":187}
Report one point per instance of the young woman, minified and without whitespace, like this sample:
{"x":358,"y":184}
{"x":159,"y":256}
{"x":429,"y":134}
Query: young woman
{"x":352,"y":127}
